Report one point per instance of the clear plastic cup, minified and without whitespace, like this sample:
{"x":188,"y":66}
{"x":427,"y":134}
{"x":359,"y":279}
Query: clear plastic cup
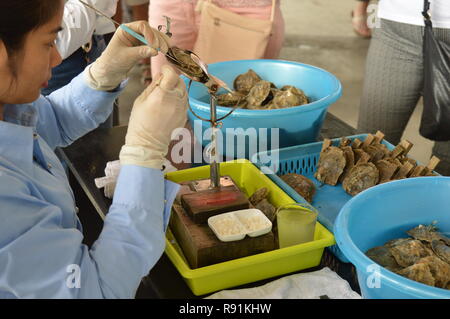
{"x":296,"y":224}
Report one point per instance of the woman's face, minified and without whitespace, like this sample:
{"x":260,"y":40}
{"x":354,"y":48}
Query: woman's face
{"x":33,"y":64}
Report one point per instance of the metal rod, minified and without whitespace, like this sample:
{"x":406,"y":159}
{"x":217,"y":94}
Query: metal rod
{"x":99,"y":12}
{"x":215,"y":166}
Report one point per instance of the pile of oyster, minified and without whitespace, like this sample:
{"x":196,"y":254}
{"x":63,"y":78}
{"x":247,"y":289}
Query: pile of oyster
{"x":359,"y":165}
{"x":424,"y":257}
{"x":254,"y":93}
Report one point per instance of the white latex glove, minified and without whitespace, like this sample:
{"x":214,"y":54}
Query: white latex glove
{"x":112,"y":170}
{"x":156,"y":113}
{"x":123,"y":52}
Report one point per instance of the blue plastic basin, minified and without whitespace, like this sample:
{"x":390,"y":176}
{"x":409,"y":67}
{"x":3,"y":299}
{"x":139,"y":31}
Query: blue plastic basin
{"x":385,"y":212}
{"x":298,"y":125}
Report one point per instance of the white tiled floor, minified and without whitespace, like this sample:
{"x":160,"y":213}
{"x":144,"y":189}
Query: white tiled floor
{"x":319,"y":32}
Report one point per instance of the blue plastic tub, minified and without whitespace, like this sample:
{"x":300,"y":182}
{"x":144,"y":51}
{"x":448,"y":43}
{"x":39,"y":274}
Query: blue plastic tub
{"x":298,"y":125}
{"x":385,"y":212}
{"x":303,"y":159}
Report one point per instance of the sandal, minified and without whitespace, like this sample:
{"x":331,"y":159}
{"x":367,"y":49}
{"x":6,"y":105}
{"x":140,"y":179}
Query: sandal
{"x":360,"y":27}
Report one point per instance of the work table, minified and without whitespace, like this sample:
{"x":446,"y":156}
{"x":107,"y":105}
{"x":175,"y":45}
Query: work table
{"x":87,"y":158}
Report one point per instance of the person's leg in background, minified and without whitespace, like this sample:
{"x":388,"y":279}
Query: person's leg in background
{"x":359,"y":18}
{"x":393,"y":80}
{"x":277,"y":38}
{"x":442,"y":149}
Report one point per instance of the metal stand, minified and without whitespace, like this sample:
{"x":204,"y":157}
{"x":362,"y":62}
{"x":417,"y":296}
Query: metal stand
{"x":215,"y":165}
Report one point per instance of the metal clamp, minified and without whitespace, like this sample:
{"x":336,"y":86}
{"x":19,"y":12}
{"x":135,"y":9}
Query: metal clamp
{"x":167,"y":26}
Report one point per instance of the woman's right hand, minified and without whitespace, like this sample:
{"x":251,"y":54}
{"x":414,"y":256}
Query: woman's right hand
{"x":156,"y":113}
{"x":124,"y":52}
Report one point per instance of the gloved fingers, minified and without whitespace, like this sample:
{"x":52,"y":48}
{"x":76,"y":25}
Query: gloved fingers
{"x":109,"y":189}
{"x":142,"y":52}
{"x":170,"y":81}
{"x":156,"y":39}
{"x":149,"y":89}
{"x":161,"y":41}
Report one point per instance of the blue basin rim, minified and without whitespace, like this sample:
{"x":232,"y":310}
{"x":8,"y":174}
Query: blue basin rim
{"x":325,"y":101}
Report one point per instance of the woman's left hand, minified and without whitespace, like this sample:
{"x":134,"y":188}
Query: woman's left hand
{"x":123,"y":52}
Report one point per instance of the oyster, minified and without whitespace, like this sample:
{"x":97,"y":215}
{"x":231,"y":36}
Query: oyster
{"x":395,"y":242}
{"x":441,"y":250}
{"x":230,"y":99}
{"x":299,"y":95}
{"x":331,"y":165}
{"x":376,"y":151}
{"x":349,"y":159}
{"x":302,"y":185}
{"x":267,"y":208}
{"x":418,"y":272}
{"x":382,"y":256}
{"x":244,"y":82}
{"x":259,"y":95}
{"x":421,"y":258}
{"x":428,"y":233}
{"x":361,"y":177}
{"x":259,"y":195}
{"x":185,"y":63}
{"x":439,"y":270}
{"x":407,"y":253}
{"x":386,"y":170}
{"x":284,"y":99}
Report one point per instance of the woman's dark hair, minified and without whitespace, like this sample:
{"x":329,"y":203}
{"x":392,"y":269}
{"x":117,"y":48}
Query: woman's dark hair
{"x":19,"y":17}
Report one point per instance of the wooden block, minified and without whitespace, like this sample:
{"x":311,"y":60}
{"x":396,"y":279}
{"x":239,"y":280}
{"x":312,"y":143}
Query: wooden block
{"x":397,"y":151}
{"x":185,"y":188}
{"x":202,"y":248}
{"x":418,"y":171}
{"x":369,"y":139}
{"x":361,"y":156}
{"x":326,"y":143}
{"x":345,"y":142}
{"x":428,"y":170}
{"x":404,"y":171}
{"x":202,"y":205}
{"x":379,"y":136}
{"x":349,"y":161}
{"x":434,"y":161}
{"x":386,"y":170}
{"x":407,"y":145}
{"x":356,"y":143}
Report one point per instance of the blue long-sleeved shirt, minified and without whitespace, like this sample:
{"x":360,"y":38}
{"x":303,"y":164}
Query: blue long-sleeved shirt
{"x":41,"y":250}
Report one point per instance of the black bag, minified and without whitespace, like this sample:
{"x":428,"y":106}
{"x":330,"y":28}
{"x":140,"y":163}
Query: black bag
{"x":435,"y":122}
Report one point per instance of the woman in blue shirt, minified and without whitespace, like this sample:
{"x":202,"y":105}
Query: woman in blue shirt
{"x":41,"y":250}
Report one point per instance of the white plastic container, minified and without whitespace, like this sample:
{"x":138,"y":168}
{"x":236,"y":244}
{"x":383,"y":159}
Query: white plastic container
{"x":236,"y":225}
